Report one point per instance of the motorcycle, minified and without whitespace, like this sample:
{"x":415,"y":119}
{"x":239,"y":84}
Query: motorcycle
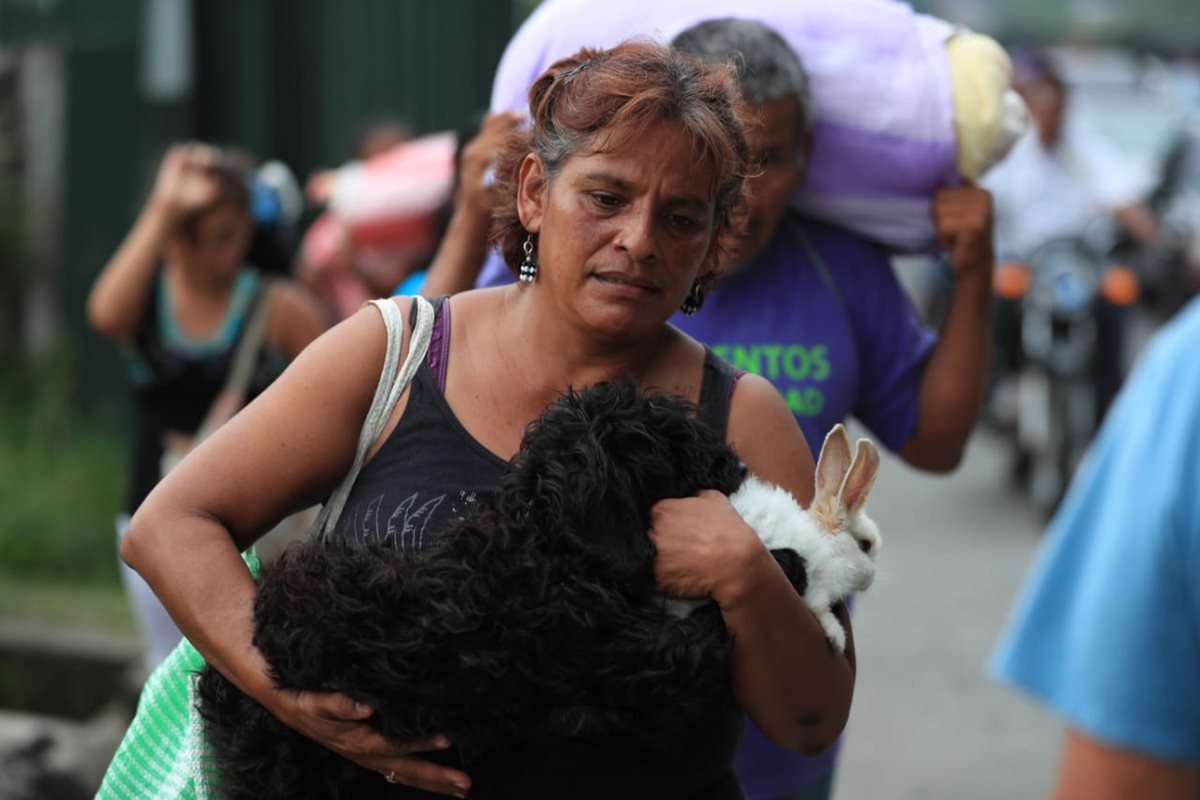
{"x":1060,"y":328}
{"x":1170,"y":270}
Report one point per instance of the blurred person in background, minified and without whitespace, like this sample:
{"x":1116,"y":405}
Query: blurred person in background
{"x":177,"y":296}
{"x":1174,"y":266}
{"x":462,"y":221}
{"x":276,"y":205}
{"x":377,"y":136}
{"x":1060,"y":176}
{"x":463,"y":247}
{"x":1058,"y":179}
{"x":1106,"y":631}
{"x":373,"y":138}
{"x":384,"y":213}
{"x":818,"y":312}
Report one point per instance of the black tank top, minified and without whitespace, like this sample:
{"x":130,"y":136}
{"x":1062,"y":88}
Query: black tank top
{"x":175,"y":380}
{"x":430,"y":472}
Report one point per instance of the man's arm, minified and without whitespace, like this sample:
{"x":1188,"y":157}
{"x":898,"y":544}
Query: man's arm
{"x":1139,"y":221}
{"x":463,"y":249}
{"x":952,"y":385}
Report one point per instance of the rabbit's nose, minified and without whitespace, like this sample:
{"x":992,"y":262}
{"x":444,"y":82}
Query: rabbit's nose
{"x":864,"y":545}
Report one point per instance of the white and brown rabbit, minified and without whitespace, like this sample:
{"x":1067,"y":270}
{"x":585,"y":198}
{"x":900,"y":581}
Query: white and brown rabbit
{"x":837,"y":540}
{"x":834,"y":536}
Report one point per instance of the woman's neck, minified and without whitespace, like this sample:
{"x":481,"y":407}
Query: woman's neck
{"x":199,"y":302}
{"x":553,"y":353}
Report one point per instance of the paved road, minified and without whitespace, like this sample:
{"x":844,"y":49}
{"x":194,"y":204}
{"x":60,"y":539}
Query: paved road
{"x":927,"y":722}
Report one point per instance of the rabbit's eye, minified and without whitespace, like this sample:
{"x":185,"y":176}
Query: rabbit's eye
{"x":864,"y":545}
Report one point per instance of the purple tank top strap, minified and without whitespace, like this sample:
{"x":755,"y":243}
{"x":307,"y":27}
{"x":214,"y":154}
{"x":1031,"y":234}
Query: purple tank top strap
{"x":439,"y":342}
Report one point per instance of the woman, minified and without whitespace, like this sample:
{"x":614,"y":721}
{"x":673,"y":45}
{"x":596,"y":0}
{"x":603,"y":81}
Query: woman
{"x":615,"y":205}
{"x":178,"y":297}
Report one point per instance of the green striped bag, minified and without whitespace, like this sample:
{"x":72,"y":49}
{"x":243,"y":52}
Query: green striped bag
{"x":164,"y":755}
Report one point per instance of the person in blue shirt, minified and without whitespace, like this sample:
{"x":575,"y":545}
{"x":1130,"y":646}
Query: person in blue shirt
{"x":1106,"y":632}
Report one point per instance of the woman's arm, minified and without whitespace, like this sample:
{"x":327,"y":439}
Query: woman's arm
{"x":286,"y":450}
{"x":795,"y":687}
{"x":792,"y":683}
{"x":117,"y":301}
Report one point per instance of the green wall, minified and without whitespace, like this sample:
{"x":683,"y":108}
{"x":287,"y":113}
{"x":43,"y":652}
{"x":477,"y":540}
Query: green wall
{"x":288,"y":79}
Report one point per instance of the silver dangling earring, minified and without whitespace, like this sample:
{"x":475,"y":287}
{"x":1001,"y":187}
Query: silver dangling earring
{"x":691,"y":304}
{"x":528,"y":271}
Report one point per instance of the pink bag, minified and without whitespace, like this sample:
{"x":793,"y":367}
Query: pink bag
{"x":382,"y":221}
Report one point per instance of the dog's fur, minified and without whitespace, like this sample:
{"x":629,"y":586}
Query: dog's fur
{"x":535,"y":618}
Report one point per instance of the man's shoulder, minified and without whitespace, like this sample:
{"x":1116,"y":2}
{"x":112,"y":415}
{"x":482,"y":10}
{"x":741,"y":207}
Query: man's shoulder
{"x":837,"y":246}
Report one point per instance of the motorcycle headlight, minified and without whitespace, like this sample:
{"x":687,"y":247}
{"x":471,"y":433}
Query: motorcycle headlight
{"x":1071,"y":292}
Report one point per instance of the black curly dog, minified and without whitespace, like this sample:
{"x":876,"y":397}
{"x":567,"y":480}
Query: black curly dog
{"x":536,"y":618}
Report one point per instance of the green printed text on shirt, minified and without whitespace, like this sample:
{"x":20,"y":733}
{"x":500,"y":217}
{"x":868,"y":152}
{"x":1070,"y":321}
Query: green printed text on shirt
{"x":782,"y":364}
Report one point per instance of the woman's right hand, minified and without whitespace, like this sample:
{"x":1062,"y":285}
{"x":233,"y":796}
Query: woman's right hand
{"x":336,"y":722}
{"x":185,"y":182}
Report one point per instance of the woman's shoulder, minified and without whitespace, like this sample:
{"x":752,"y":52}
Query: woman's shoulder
{"x":767,"y":437}
{"x":755,"y":397}
{"x":342,"y":365}
{"x":843,"y":248}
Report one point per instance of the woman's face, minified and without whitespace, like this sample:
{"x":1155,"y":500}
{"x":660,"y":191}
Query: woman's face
{"x":622,"y":234}
{"x":1046,"y":101}
{"x":218,"y":245}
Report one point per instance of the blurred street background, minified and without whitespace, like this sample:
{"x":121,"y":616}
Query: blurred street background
{"x":927,"y":721}
{"x":92,"y":92}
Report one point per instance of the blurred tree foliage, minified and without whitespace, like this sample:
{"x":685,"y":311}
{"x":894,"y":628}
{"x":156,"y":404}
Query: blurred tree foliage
{"x":60,"y":477}
{"x":12,"y":256}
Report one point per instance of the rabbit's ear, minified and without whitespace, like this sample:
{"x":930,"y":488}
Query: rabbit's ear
{"x":833,"y":462}
{"x":861,"y":476}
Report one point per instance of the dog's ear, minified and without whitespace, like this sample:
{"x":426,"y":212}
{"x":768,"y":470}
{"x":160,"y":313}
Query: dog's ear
{"x":572,"y":477}
{"x":699,"y":458}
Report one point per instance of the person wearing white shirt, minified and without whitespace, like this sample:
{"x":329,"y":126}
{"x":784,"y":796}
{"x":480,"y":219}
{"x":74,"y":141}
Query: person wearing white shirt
{"x":1060,"y":176}
{"x":1057,"y":179}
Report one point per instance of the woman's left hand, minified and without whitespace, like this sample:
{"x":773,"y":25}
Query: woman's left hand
{"x":704,"y":547}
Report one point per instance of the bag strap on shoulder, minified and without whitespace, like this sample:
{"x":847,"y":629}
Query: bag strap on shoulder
{"x":394,"y":378}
